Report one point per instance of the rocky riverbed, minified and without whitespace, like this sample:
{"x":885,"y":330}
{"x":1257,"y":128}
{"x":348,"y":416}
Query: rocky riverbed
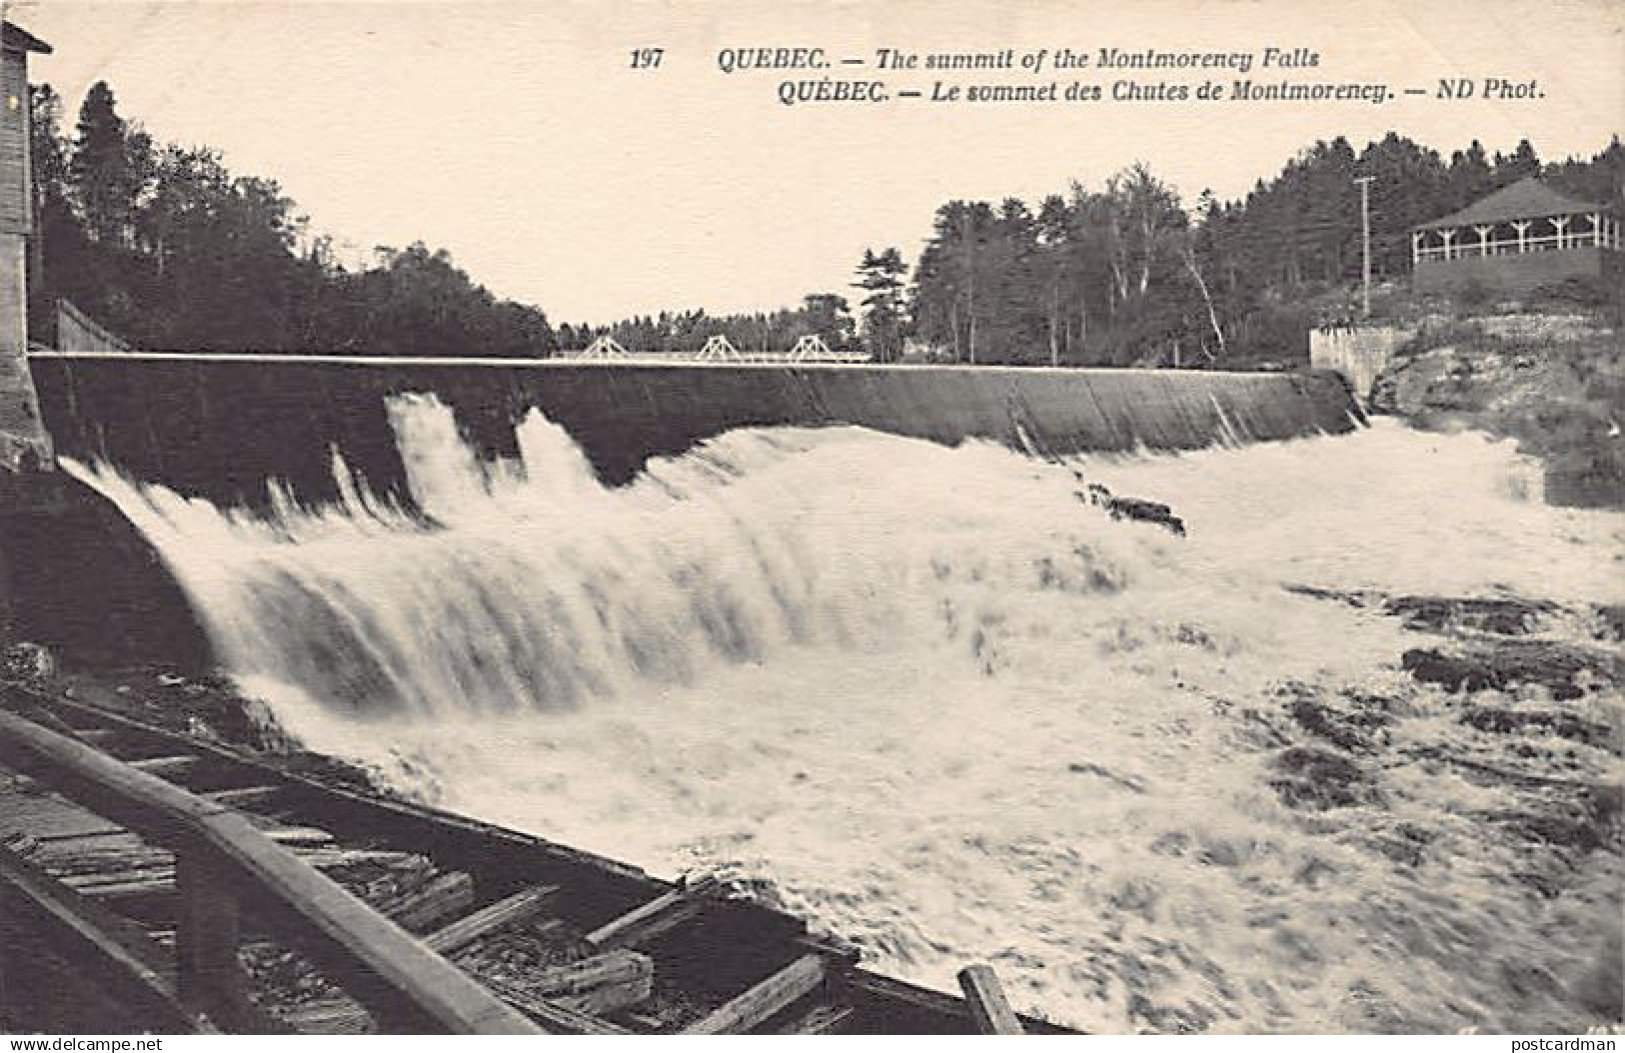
{"x":1530,"y":714}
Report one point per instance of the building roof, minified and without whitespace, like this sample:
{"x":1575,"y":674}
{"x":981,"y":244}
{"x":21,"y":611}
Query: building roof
{"x":1528,"y":198}
{"x":16,"y":38}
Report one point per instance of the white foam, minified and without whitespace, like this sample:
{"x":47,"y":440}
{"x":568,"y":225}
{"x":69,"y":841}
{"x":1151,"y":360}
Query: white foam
{"x":931,"y":699}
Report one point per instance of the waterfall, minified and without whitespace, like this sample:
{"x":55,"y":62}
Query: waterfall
{"x":931,"y":699}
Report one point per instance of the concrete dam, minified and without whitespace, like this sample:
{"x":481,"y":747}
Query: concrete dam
{"x":222,"y":427}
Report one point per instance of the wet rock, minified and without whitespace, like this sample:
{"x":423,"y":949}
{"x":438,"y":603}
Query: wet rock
{"x":1320,"y":779}
{"x":1558,"y":828}
{"x":1147,"y":512}
{"x":1610,"y":622}
{"x":1553,"y":722}
{"x":1405,"y":843}
{"x":1133,"y":508}
{"x":27,"y":662}
{"x":1503,"y":617}
{"x":1349,"y":730}
{"x":1326,"y":723}
{"x":1556,"y":666}
{"x":1357,"y":599}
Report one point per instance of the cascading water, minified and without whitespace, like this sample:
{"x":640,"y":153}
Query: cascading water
{"x":933,"y":701}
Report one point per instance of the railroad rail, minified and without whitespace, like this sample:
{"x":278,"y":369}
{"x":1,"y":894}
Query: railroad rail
{"x":204,"y":889}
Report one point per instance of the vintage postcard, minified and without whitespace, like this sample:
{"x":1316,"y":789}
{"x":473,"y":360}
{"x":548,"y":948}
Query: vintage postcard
{"x":829,"y":517}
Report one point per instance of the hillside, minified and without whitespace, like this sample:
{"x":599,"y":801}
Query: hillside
{"x":1553,"y":380}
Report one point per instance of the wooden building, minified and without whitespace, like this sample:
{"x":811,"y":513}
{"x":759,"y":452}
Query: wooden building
{"x":22,"y":436}
{"x":1517,"y":239}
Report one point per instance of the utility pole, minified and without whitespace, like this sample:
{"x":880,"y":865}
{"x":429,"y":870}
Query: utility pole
{"x":1365,"y":241}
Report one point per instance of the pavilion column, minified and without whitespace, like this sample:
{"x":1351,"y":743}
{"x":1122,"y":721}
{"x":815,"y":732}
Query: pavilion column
{"x":1561,"y":225}
{"x":1416,"y":247}
{"x":1448,"y":236}
{"x":1522,"y":227}
{"x":1483,"y":238}
{"x":1596,"y":228}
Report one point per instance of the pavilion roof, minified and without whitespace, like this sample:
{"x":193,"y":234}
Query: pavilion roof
{"x":1528,"y":198}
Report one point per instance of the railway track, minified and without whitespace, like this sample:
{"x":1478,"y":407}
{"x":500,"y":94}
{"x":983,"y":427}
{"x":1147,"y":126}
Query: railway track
{"x":210,"y":890}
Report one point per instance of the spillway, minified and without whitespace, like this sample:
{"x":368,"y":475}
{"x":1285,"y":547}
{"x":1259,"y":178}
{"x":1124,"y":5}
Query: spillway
{"x":935,"y":700}
{"x":219,"y":425}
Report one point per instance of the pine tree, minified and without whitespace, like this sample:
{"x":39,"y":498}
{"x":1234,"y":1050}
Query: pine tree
{"x":108,"y":167}
{"x":880,"y":276}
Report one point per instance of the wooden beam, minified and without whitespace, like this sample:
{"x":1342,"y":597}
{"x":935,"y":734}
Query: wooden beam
{"x":442,"y":896}
{"x":210,"y":979}
{"x":110,"y":949}
{"x":333,"y":1016}
{"x":97,"y":736}
{"x":871,"y":992}
{"x":989,"y":1009}
{"x":241,"y":796}
{"x":661,"y":914}
{"x":755,"y":1006}
{"x":400,"y":981}
{"x":555,"y":1018}
{"x":595,"y":985}
{"x":517,"y":908}
{"x":819,"y":1020}
{"x":172,"y":765}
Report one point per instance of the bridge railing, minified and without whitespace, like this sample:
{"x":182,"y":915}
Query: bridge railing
{"x":225,"y":865}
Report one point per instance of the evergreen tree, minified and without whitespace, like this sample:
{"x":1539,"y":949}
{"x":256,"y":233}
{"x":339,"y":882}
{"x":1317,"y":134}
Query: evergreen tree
{"x":109,"y":167}
{"x":880,"y":276}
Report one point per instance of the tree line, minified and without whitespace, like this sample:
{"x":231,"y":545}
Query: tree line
{"x":170,"y":249}
{"x":1126,"y":274}
{"x":166,"y":246}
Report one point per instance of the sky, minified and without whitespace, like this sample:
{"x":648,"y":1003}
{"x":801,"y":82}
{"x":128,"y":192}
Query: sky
{"x":516,"y":134}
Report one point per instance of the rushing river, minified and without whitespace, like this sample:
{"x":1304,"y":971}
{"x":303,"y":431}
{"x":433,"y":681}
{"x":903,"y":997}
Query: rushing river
{"x":938,"y":704}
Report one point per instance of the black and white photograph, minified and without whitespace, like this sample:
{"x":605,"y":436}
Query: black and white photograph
{"x":840,"y":517}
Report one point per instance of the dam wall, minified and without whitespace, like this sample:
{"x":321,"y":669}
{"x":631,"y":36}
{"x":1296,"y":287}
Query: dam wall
{"x":78,"y":577}
{"x":219,"y":426}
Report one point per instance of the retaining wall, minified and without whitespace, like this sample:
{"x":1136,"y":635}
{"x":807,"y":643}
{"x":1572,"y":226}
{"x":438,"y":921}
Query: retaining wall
{"x":1358,"y":353}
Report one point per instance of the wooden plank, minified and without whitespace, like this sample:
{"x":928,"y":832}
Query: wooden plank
{"x":555,"y":1018}
{"x":819,"y":1020}
{"x":242,"y":796}
{"x":111,"y":949}
{"x":512,"y":910}
{"x":401,"y":982}
{"x":661,"y":914}
{"x":299,"y":837}
{"x":99,"y":736}
{"x":917,"y":1008}
{"x":107,"y":786}
{"x":127,"y":876}
{"x":755,"y":1006}
{"x":989,"y":1008}
{"x":171,"y":765}
{"x":335,"y":1016}
{"x":449,"y":837}
{"x":394,"y":975}
{"x":595,"y":985}
{"x":429,"y":904}
{"x":112,"y":834}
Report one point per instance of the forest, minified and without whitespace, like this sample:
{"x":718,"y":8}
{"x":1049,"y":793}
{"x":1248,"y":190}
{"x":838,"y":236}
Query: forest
{"x":166,"y":246}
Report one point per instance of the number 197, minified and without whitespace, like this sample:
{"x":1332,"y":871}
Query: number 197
{"x":647,"y":58}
